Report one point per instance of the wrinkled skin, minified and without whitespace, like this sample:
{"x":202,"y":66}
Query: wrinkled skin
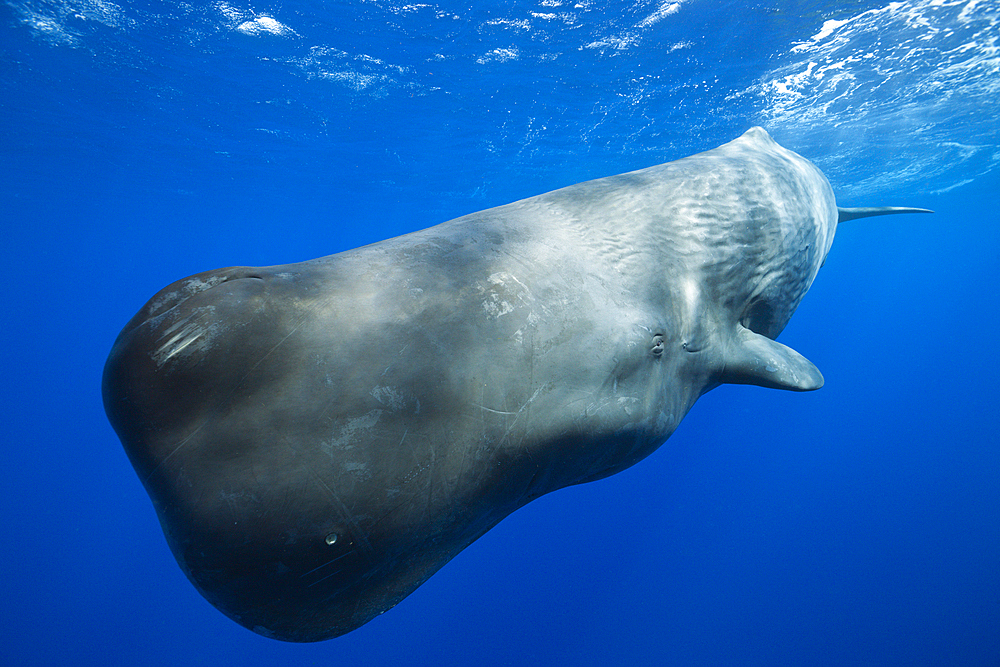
{"x":319,"y":438}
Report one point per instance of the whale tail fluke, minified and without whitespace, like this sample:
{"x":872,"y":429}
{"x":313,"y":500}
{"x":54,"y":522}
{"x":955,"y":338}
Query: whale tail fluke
{"x":844,"y":214}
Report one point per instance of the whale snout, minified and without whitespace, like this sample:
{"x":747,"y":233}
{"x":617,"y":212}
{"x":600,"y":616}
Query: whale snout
{"x":177,"y":293}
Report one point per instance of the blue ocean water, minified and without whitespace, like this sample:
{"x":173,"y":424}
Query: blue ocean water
{"x":859,"y":524}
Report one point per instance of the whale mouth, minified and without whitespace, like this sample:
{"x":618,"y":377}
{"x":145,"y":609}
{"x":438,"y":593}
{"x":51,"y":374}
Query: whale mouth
{"x":761,"y":318}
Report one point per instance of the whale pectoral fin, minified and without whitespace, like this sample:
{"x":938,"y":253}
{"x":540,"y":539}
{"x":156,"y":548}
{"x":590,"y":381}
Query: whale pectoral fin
{"x":756,"y":359}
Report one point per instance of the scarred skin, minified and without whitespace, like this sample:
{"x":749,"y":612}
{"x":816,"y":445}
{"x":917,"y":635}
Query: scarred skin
{"x":319,"y":438}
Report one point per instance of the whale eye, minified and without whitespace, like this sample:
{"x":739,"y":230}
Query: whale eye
{"x":658,"y":345}
{"x":331,"y":539}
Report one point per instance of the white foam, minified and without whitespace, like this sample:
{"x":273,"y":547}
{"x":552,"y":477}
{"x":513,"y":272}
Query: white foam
{"x":501,"y":55}
{"x":631,"y":36}
{"x":265,"y":25}
{"x":360,"y":72}
{"x":664,"y":10}
{"x":902,"y":70}
{"x":64,"y":23}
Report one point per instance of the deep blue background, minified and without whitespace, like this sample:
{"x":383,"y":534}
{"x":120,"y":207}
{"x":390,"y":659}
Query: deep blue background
{"x":855,"y":525}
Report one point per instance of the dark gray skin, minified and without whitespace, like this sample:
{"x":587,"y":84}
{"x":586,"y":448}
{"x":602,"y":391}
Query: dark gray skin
{"x":319,"y":438}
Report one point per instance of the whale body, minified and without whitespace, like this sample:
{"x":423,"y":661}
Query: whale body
{"x":319,"y":438}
